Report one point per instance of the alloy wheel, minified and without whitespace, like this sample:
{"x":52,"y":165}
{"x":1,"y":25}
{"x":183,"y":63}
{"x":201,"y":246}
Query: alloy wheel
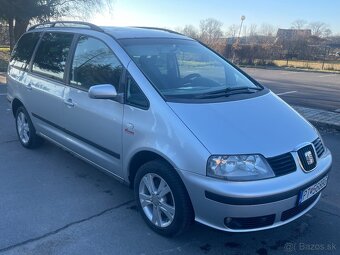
{"x":157,"y":200}
{"x":23,"y":128}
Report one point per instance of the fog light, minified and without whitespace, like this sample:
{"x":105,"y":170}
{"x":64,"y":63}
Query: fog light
{"x":249,"y":223}
{"x":227,"y":220}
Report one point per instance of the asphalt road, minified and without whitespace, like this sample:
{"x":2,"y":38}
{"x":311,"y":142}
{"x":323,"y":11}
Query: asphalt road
{"x":309,"y":89}
{"x":53,"y":203}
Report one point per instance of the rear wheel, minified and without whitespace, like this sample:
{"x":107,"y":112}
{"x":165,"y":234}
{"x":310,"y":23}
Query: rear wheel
{"x":162,"y":198}
{"x":25,"y":129}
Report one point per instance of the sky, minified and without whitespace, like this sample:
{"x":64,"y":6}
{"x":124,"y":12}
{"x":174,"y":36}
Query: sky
{"x":178,"y":13}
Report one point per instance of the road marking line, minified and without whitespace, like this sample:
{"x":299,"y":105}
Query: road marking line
{"x":327,"y":75}
{"x":3,"y":94}
{"x":285,"y":93}
{"x":289,"y":72}
{"x":263,"y":80}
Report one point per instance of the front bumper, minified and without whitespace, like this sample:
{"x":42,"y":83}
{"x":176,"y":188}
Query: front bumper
{"x":253,"y":205}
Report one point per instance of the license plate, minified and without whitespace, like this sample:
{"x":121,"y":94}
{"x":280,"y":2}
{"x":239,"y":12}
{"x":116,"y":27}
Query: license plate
{"x":312,"y":190}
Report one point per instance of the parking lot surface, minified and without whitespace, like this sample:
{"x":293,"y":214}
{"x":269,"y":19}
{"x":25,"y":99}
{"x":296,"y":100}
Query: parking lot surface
{"x":308,"y":89}
{"x":53,"y":203}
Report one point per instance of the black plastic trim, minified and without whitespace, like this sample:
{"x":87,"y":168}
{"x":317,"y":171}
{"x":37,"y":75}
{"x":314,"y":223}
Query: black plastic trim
{"x":261,"y":200}
{"x":54,"y":23}
{"x":250,"y":222}
{"x":282,"y":164}
{"x":99,"y":147}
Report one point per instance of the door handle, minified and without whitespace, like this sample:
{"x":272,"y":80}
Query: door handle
{"x":69,"y":102}
{"x":130,"y":127}
{"x":29,"y":86}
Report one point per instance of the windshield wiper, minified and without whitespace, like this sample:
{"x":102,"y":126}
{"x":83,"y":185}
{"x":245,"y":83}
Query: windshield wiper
{"x":227,"y":92}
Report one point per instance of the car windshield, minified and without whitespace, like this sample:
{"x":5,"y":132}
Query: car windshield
{"x":181,"y":68}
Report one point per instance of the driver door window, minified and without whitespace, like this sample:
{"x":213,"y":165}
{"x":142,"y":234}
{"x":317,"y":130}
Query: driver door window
{"x":94,"y":63}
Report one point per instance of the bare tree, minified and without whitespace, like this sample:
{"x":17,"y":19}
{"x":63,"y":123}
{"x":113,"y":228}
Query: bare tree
{"x":252,"y":31}
{"x":267,"y":29}
{"x":327,"y":32}
{"x":210,"y":31}
{"x":320,"y":29}
{"x":191,"y":31}
{"x":232,"y":30}
{"x":299,"y":24}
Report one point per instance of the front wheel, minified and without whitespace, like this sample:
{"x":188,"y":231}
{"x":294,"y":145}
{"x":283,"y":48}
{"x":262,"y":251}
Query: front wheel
{"x":162,"y":198}
{"x":25,"y":129}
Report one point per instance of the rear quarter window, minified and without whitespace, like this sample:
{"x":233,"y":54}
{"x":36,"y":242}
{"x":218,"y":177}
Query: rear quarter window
{"x":50,"y":58}
{"x":23,"y":51}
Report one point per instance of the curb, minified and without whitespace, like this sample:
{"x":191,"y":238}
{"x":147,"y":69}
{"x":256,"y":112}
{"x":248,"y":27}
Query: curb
{"x":290,"y":69}
{"x":320,"y":117}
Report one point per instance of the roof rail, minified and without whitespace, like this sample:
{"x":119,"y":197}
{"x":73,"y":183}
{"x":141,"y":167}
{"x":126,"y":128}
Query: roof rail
{"x":162,"y":29}
{"x":71,"y":24}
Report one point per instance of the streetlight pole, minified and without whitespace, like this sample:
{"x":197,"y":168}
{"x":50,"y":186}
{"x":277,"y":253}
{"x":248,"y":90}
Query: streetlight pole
{"x":239,"y":32}
{"x":238,"y":38}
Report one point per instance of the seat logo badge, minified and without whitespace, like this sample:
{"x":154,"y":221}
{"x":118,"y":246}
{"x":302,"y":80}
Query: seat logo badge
{"x":309,"y":157}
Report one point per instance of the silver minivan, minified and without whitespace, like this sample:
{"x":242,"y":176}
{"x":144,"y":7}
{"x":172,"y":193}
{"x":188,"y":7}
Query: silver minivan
{"x":192,"y":134}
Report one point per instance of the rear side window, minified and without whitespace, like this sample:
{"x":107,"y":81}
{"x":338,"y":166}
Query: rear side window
{"x":94,"y":63}
{"x":23,"y":51}
{"x":50,"y":58}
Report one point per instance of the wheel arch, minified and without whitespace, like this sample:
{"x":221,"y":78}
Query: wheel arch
{"x":16,"y":103}
{"x":145,"y":156}
{"x":140,"y":158}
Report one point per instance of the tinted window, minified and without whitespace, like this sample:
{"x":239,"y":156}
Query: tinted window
{"x":22,"y":52}
{"x":134,"y":95}
{"x":52,"y":53}
{"x":94,"y":63}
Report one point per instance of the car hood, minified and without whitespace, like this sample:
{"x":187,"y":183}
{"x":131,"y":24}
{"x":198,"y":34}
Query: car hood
{"x":263,"y":124}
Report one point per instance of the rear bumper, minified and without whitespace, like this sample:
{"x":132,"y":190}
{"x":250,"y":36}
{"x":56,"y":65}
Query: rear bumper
{"x":253,"y":205}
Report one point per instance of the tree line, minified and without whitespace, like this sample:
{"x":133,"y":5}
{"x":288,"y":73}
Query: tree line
{"x":19,"y":13}
{"x":210,"y":30}
{"x":261,"y":42}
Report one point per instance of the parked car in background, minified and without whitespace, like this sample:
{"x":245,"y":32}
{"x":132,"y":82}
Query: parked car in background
{"x":193,"y":135}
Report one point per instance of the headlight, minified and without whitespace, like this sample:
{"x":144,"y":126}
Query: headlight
{"x":239,"y":167}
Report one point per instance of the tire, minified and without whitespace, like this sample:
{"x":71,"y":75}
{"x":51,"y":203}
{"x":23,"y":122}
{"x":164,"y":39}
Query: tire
{"x":170,"y":201}
{"x":25,"y":129}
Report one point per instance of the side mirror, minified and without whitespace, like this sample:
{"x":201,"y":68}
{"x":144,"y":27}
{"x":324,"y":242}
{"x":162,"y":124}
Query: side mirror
{"x":104,"y":91}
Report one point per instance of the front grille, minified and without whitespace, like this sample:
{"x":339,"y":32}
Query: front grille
{"x":319,"y":148}
{"x":298,"y":209}
{"x":307,"y":166}
{"x":249,"y":223}
{"x":282,"y":164}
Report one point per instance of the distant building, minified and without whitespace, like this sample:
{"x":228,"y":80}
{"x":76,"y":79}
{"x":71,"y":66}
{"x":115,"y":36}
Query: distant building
{"x":292,"y":34}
